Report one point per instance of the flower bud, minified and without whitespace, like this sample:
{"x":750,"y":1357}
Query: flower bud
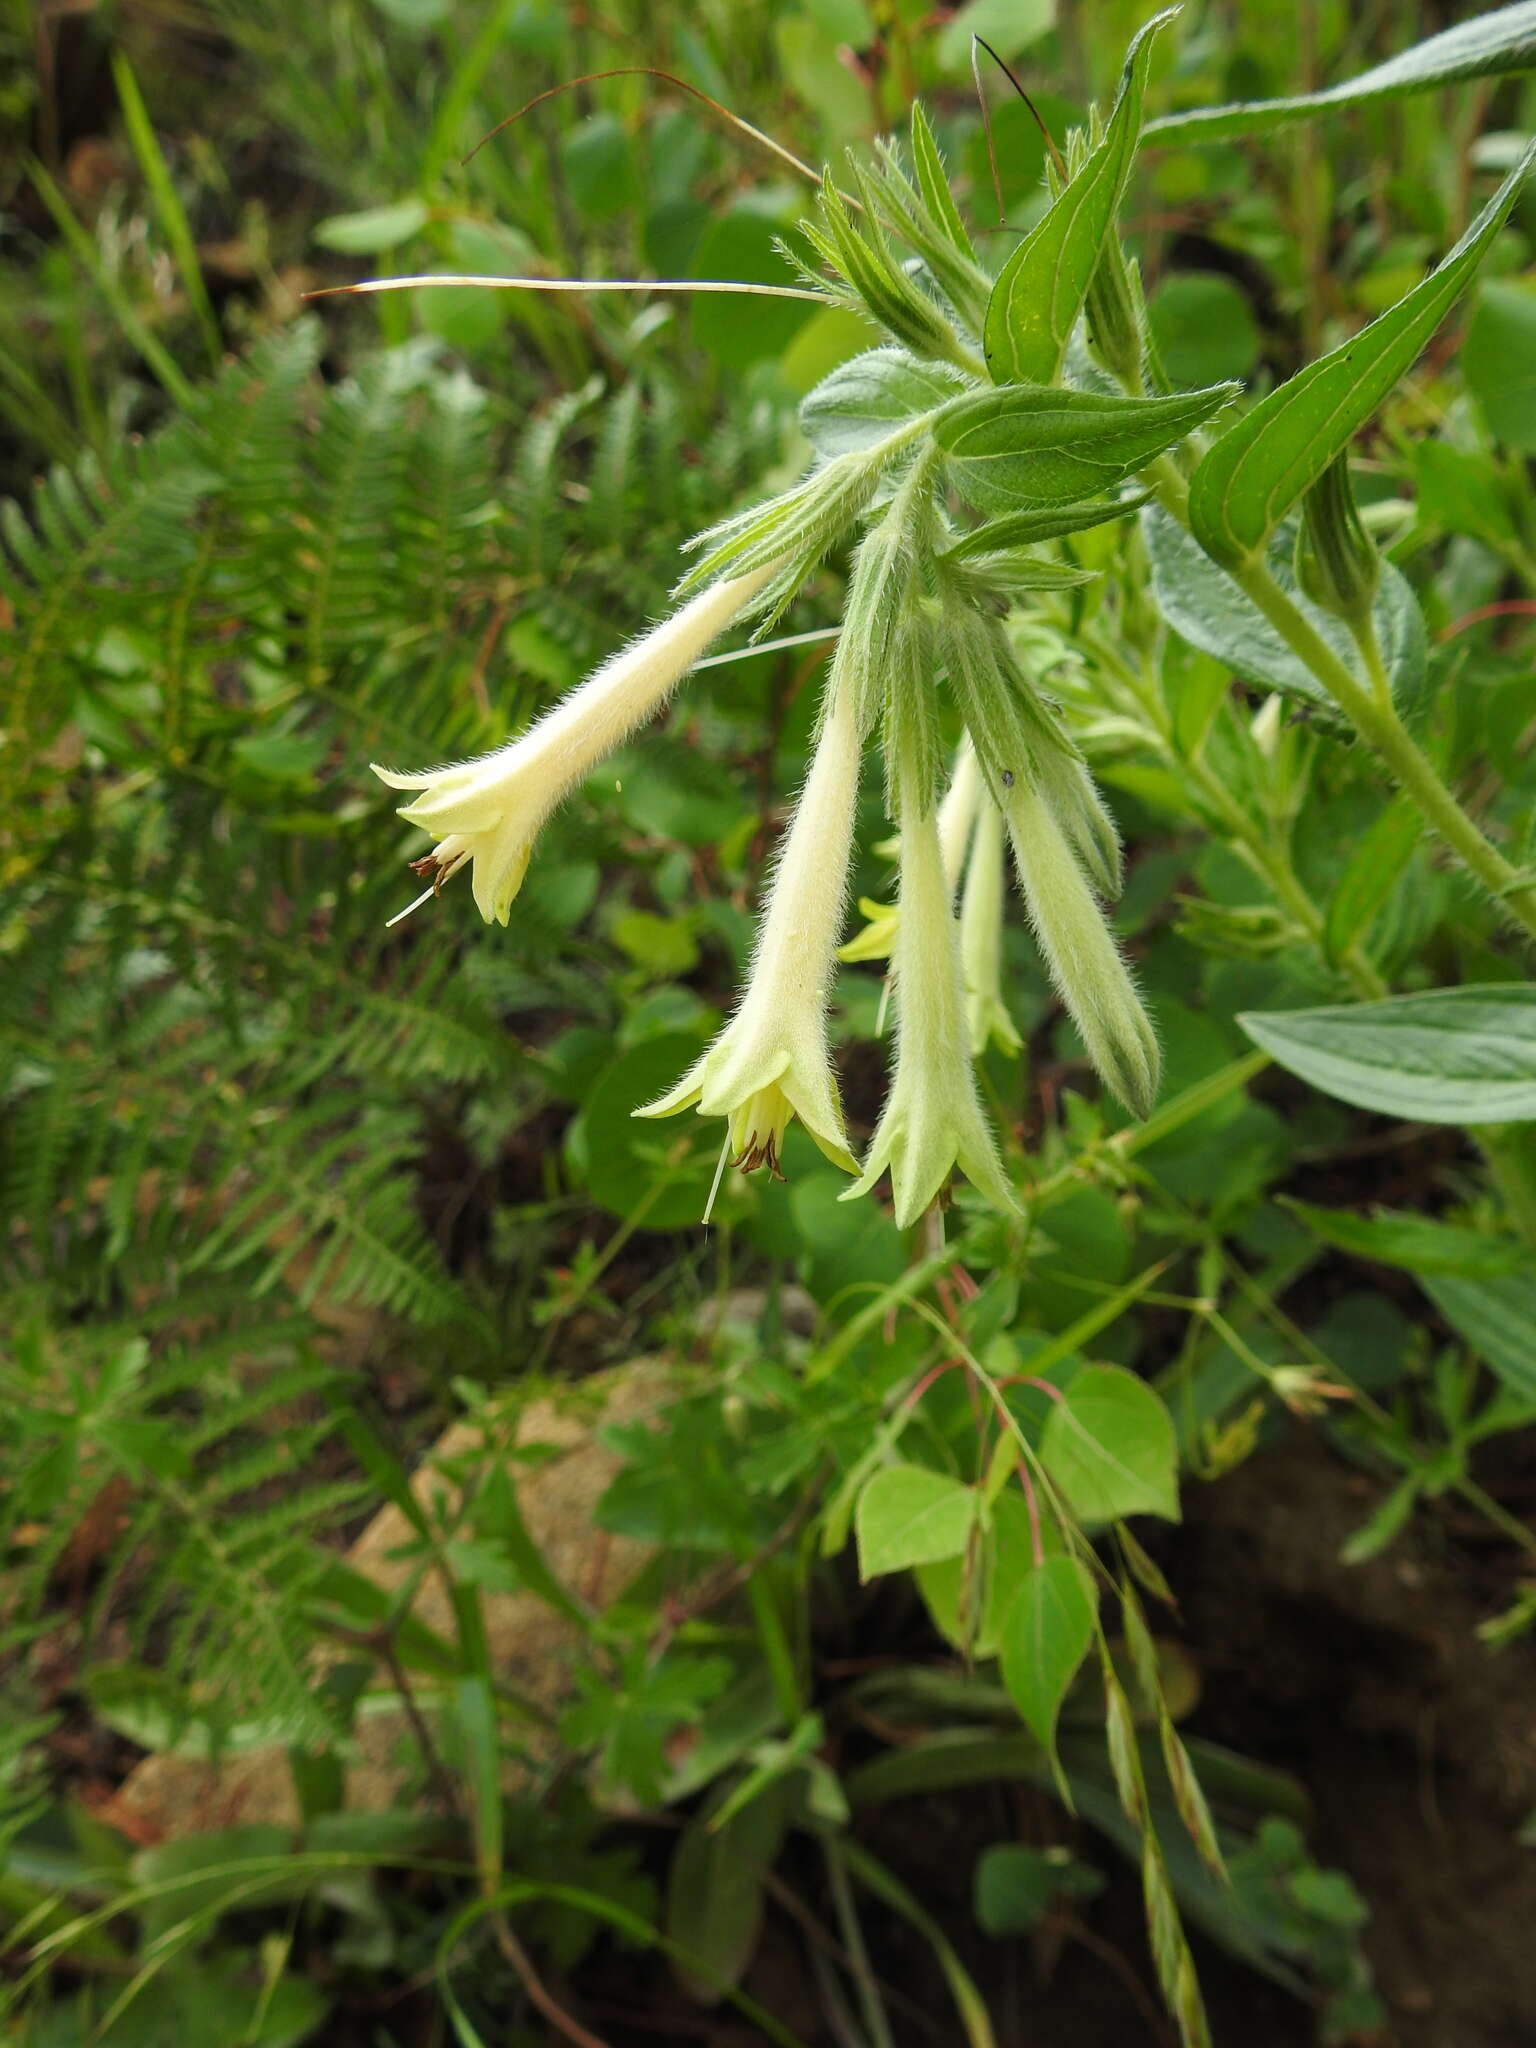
{"x":1080,"y":951}
{"x":1083,"y":815}
{"x":1117,"y":315}
{"x":981,"y":938}
{"x":1337,"y":563}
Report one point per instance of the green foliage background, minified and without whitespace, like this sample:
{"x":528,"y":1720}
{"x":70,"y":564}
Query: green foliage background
{"x":285,"y":1188}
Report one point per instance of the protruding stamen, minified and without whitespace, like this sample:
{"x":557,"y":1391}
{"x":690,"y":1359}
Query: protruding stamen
{"x":401,"y":915}
{"x":714,"y":1186}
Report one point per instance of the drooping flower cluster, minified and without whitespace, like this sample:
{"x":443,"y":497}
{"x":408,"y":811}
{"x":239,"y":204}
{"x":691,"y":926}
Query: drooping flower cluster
{"x":903,"y":436}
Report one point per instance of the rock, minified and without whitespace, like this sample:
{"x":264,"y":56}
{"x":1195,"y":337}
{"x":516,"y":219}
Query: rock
{"x":168,"y":1795}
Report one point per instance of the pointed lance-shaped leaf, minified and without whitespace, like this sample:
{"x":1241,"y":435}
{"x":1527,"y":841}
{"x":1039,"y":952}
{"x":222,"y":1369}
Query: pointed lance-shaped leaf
{"x":1043,"y":445}
{"x":1049,"y":522}
{"x":1487,"y":46}
{"x":1259,"y":468}
{"x":1041,"y":288}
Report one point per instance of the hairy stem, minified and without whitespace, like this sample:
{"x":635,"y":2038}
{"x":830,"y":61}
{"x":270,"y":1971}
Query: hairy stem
{"x":1374,"y":716}
{"x":1372,"y":713}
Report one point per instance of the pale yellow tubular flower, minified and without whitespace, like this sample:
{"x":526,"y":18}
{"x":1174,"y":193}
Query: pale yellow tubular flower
{"x":959,"y":811}
{"x":1080,"y":950}
{"x":488,"y":812}
{"x":932,"y":1121}
{"x":771,"y":1062}
{"x":981,"y":936}
{"x":957,"y":816}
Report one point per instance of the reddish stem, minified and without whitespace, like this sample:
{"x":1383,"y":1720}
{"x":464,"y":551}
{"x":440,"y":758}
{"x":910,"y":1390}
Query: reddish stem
{"x":1507,"y":608}
{"x":1034,"y":1512}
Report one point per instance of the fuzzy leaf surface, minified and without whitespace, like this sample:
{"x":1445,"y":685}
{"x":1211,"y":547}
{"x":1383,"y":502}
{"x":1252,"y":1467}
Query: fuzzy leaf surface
{"x":1488,"y":46}
{"x":859,"y":403}
{"x":1261,"y":467}
{"x":1040,"y":290}
{"x":1035,"y":445}
{"x":1205,"y":607}
{"x":1022,"y":529}
{"x":1448,"y":1056}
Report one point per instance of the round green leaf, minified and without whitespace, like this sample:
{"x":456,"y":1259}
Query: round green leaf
{"x":910,"y":1515}
{"x":372,"y":231}
{"x":598,"y":165}
{"x":739,"y":328}
{"x":1109,"y":1445}
{"x":1204,"y":328}
{"x":953,"y":1597}
{"x":623,"y":1159}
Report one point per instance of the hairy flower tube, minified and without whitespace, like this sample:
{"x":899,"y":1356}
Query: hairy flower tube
{"x":771,"y":1061}
{"x":488,"y":812}
{"x":957,"y":816}
{"x":981,"y":937}
{"x":932,"y":1121}
{"x":1080,"y":950}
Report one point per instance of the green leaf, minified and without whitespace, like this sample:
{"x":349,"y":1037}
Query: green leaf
{"x":200,"y":1876}
{"x":1016,"y":569}
{"x":1016,"y":1886}
{"x":1486,"y":47}
{"x":497,"y":1519}
{"x":597,"y":167}
{"x":715,"y":1892}
{"x":1040,"y":290}
{"x":1259,"y":469}
{"x":863,"y":399}
{"x":664,"y":946}
{"x":933,"y":182}
{"x":742,"y":328}
{"x":1374,"y":870}
{"x":1045,"y":1637}
{"x":1109,"y":1445}
{"x":373,"y":231}
{"x":1203,"y":328}
{"x":1205,"y":607}
{"x":1387,"y":1519}
{"x":1416,"y":1243}
{"x":810,"y":66}
{"x":1461,"y":491}
{"x":624,"y":1163}
{"x":1008,"y":25}
{"x":1037,"y":444}
{"x":1021,"y":529}
{"x":969,"y":1598}
{"x":910,"y":1515}
{"x":1499,"y":364}
{"x":471,"y":1727}
{"x":1497,"y":1317}
{"x":1449,"y":1056}
{"x":224,"y":1998}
